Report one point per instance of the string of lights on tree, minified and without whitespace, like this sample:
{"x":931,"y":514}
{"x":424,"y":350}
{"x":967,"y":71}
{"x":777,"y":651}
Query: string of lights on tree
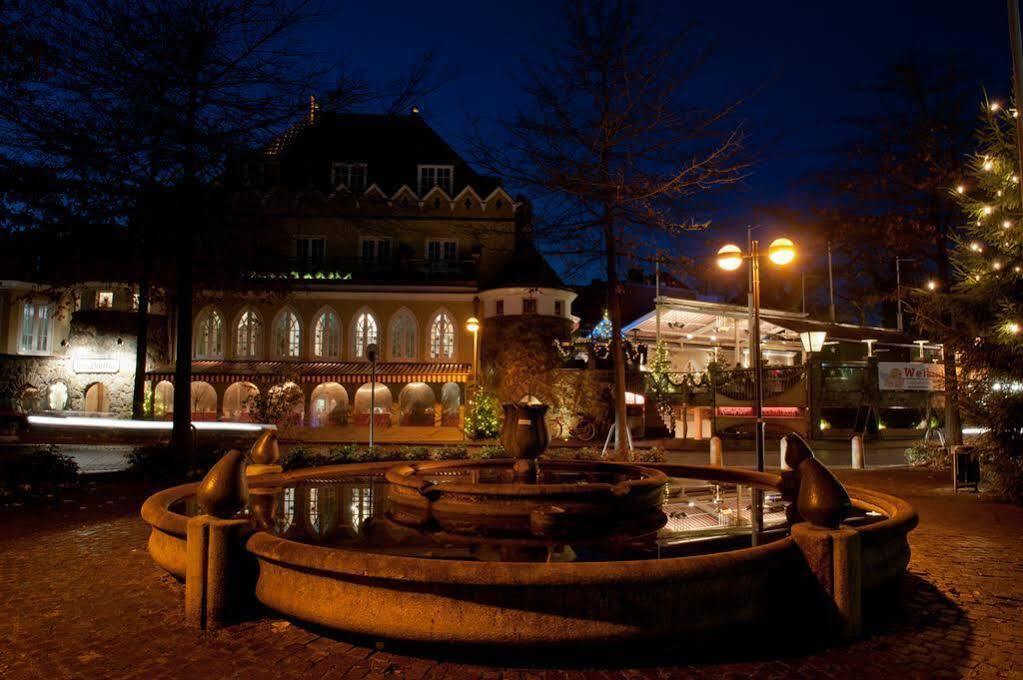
{"x":987,"y":255}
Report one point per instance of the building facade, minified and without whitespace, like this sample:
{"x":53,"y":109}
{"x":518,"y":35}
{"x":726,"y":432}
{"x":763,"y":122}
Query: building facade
{"x":375,"y":233}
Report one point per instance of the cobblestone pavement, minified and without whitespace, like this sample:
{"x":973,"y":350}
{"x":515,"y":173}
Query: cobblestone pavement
{"x":79,"y":598}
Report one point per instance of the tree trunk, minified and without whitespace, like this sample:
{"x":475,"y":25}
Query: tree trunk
{"x":181,"y":438}
{"x":614,"y":307}
{"x":953,"y":421}
{"x":141,"y":350}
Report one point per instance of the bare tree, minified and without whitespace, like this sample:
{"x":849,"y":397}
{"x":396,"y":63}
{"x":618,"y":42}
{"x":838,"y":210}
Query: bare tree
{"x":612,"y":147}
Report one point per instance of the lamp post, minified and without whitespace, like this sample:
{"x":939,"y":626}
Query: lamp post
{"x":472,"y":324}
{"x":371,"y":354}
{"x":730,"y":257}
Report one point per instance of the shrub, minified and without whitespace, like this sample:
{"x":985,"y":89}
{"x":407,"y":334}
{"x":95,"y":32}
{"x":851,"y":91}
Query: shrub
{"x":929,"y":454}
{"x":449,"y":453}
{"x":570,"y":453}
{"x":39,"y":469}
{"x":413,"y":453}
{"x":1002,"y":474}
{"x":487,"y":452}
{"x":652,"y":455}
{"x":164,"y":464}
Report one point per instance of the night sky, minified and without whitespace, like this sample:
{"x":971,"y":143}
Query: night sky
{"x":806,"y":61}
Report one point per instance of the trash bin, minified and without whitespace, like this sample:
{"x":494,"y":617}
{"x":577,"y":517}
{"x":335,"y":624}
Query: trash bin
{"x":965,"y":467}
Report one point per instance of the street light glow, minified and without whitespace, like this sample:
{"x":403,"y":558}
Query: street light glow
{"x":782,"y":251}
{"x":730,"y":257}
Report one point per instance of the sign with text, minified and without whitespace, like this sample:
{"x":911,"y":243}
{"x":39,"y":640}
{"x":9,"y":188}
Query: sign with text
{"x":913,"y":376}
{"x":93,"y":365}
{"x":769,"y":411}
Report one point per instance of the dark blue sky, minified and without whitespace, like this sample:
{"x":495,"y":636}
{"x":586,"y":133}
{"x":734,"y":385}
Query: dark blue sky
{"x":808,"y":59}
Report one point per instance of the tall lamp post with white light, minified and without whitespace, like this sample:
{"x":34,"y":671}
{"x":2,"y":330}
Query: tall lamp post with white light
{"x":730,"y":257}
{"x":472,"y":324}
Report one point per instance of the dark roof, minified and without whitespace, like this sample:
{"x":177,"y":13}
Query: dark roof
{"x":392,"y":146}
{"x":843,"y":331}
{"x":526,"y":267}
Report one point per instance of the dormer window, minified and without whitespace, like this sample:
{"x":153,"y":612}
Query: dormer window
{"x":350,"y":175}
{"x":431,"y":176}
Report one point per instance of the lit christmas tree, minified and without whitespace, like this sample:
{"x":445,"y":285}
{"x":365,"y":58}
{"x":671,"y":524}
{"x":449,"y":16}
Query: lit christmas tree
{"x":483,"y":418}
{"x":981,"y":317}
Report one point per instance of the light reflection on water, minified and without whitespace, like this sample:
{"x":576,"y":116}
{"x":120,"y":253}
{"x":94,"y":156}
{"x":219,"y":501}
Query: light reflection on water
{"x":351,"y":512}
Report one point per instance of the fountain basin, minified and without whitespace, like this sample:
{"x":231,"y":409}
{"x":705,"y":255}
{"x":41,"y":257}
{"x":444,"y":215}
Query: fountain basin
{"x":434,"y":598}
{"x":568,"y":499}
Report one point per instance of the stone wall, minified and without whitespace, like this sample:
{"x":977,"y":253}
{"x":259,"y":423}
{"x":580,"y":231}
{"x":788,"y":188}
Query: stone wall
{"x":59,"y":382}
{"x":518,"y":355}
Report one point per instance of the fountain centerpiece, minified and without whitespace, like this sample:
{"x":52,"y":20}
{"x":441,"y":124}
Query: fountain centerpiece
{"x":524,"y":497}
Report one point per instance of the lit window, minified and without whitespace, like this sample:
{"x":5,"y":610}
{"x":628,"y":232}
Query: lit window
{"x":442,"y":337}
{"x":376,"y":249}
{"x":441,"y":250}
{"x":499,"y":308}
{"x":135,"y":302}
{"x":365,"y":333}
{"x":431,"y":176}
{"x":529,"y":305}
{"x":250,"y":333}
{"x":104,"y":299}
{"x":36,"y":322}
{"x":559,"y":308}
{"x":327,"y":335}
{"x":288,"y":335}
{"x":350,"y":175}
{"x":209,"y":335}
{"x":403,"y":335}
{"x":309,"y":250}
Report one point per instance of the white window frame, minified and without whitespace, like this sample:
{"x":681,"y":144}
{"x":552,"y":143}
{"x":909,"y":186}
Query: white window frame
{"x":309,"y":259}
{"x":454,"y":336}
{"x":425,"y":188}
{"x":287,"y":341}
{"x":357,"y":337}
{"x":341,"y":173}
{"x":100,"y":294}
{"x":441,"y":240}
{"x":337,"y":328}
{"x":403,"y":313}
{"x":38,"y":323}
{"x":376,"y":248}
{"x":208,"y":313}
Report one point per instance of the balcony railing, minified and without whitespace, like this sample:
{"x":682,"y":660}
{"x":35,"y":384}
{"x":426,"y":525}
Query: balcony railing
{"x":355,"y":270}
{"x":739,"y":383}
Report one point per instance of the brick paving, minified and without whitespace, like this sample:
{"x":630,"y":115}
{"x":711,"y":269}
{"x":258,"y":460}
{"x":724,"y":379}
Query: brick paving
{"x":79,"y":598}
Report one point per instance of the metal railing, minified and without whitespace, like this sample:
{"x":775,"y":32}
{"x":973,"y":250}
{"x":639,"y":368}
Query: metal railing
{"x":739,"y":383}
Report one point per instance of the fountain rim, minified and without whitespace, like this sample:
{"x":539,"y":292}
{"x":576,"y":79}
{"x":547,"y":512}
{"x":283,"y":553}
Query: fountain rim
{"x":900,"y":517}
{"x":410,"y":476}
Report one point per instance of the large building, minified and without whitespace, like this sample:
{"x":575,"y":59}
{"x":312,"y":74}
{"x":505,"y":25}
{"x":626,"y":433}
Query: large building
{"x":378,"y":234}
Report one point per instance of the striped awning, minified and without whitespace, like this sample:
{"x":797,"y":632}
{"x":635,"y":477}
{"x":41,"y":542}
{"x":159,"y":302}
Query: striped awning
{"x":316,"y":372}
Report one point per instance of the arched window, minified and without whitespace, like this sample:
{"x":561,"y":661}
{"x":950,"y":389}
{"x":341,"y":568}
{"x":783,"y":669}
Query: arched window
{"x":402,"y":335}
{"x":365,"y":333}
{"x":442,"y":336}
{"x":327,"y":335}
{"x":287,"y":335}
{"x":250,"y":334}
{"x":209,"y":335}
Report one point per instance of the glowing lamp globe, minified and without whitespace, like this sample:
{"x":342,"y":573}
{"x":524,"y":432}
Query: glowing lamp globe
{"x":730,"y":257}
{"x":782,"y":251}
{"x":472,"y":324}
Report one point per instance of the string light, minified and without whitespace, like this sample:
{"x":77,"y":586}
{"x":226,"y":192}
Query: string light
{"x":1013,"y":327}
{"x":988,"y":165}
{"x":976,"y":247}
{"x":960,"y":189}
{"x":996,"y":265}
{"x":995,"y":106}
{"x":932,"y":285}
{"x":1006,"y":224}
{"x":987,"y":210}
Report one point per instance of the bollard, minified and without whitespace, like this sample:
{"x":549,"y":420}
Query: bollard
{"x":857,"y":452}
{"x":782,"y":447}
{"x":717,"y":457}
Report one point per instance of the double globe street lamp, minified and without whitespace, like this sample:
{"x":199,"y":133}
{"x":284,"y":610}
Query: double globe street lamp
{"x":730,"y":257}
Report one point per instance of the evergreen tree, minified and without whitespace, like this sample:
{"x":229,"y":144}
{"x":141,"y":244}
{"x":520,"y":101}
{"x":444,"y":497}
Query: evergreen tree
{"x":981,"y":317}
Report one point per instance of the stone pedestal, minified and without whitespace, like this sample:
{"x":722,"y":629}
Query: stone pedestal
{"x":217,"y":571}
{"x":833,"y":556}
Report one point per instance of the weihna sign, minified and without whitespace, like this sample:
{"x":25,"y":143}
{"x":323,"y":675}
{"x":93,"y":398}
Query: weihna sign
{"x":769,"y":411}
{"x":915,"y":376}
